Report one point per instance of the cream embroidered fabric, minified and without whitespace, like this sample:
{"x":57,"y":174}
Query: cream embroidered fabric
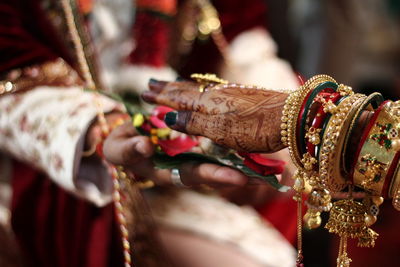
{"x":220,"y":220}
{"x":45,"y":127}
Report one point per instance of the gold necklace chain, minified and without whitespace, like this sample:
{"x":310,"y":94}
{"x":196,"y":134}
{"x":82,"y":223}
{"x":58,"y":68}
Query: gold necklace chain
{"x":84,"y":66}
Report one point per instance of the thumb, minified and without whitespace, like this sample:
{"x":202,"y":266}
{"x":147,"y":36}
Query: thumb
{"x":125,"y":151}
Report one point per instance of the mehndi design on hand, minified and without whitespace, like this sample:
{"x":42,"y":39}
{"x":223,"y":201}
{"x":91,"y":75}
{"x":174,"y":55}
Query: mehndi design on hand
{"x":239,"y":117}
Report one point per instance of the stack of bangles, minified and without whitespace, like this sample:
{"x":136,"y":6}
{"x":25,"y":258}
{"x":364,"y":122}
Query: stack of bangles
{"x":340,"y":141}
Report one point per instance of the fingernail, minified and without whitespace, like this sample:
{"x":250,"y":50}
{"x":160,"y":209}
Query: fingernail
{"x":140,"y":147}
{"x":171,"y":118}
{"x":156,"y":85}
{"x":152,"y":81}
{"x":149,"y":96}
{"x":180,"y":79}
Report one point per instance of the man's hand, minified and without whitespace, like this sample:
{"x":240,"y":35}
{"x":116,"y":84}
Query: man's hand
{"x":124,"y":146}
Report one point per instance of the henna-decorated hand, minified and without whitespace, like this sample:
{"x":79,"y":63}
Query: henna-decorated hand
{"x":240,"y":118}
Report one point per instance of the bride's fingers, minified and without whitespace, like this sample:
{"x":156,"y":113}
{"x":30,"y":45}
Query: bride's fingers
{"x":158,"y":86}
{"x":222,"y":129}
{"x":187,"y":96}
{"x":252,"y":134}
{"x":181,"y":99}
{"x":195,"y":123}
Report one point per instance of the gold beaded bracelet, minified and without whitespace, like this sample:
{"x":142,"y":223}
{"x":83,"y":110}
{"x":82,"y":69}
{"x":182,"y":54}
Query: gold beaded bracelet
{"x":288,"y":137}
{"x":330,"y":176}
{"x":291,"y":111}
{"x":320,"y":198}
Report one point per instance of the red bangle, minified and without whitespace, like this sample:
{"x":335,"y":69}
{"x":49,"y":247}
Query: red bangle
{"x":298,"y":124}
{"x":319,"y":119}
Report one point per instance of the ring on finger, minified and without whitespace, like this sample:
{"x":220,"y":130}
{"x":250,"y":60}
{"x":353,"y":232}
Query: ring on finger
{"x":176,"y":178}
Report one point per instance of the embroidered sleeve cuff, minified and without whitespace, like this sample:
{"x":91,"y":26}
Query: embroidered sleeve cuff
{"x":44,"y":127}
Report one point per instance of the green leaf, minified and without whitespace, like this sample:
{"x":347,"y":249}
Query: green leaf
{"x":270,"y":179}
{"x":163,"y":161}
{"x":129,"y":100}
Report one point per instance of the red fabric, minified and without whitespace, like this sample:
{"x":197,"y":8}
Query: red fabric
{"x":151,"y":33}
{"x":178,"y":145}
{"x":54,"y":228}
{"x":26,"y":35}
{"x":163,"y":6}
{"x":236,"y":17}
{"x":263,"y":165}
{"x":281,"y":213}
{"x":386,"y":250}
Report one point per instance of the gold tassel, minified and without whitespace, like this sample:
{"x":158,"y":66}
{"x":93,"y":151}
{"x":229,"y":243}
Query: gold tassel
{"x":347,"y":218}
{"x":299,"y":185}
{"x":343,"y":260}
{"x":318,"y":201}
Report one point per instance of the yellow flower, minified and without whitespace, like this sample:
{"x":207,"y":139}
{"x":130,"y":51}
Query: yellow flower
{"x":164,"y":132}
{"x":154,"y":139}
{"x":138,"y":120}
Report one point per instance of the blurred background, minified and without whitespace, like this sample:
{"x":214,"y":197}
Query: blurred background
{"x":356,"y":42}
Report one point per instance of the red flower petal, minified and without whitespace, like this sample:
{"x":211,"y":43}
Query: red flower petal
{"x":178,"y":145}
{"x":260,"y":159}
{"x":146,"y":127}
{"x":254,"y":166}
{"x":156,"y":122}
{"x":263,"y":165}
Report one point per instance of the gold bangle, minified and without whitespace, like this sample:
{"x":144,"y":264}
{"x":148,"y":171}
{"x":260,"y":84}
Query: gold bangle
{"x":90,"y":151}
{"x":377,"y":153}
{"x":365,"y":105}
{"x":396,"y":200}
{"x":292,"y":110}
{"x":206,"y":80}
{"x":330,"y":176}
{"x":285,"y":116}
{"x":394,"y":186}
{"x":395,"y":190}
